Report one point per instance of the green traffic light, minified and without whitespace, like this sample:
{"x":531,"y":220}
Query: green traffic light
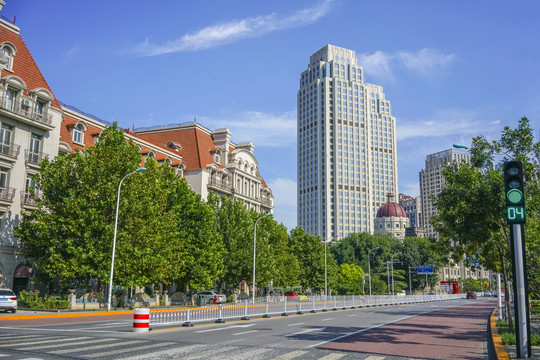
{"x":514,"y":196}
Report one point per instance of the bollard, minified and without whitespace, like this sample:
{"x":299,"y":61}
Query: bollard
{"x":141,"y":320}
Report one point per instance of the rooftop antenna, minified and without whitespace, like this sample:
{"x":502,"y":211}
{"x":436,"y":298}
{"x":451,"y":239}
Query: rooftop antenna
{"x":194,"y":119}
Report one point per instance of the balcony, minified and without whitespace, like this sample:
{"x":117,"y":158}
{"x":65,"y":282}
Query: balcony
{"x":221,"y":185}
{"x":6,"y":194}
{"x":26,"y":111}
{"x":27,"y":200}
{"x":9,"y":150}
{"x":34,"y":157}
{"x":266,"y":200}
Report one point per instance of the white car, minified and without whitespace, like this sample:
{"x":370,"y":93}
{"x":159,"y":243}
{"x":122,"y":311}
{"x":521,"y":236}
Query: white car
{"x":211,"y":297}
{"x":8,"y":300}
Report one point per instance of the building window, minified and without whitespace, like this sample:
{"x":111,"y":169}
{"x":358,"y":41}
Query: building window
{"x":6,"y":133}
{"x":78,"y":134}
{"x":10,"y":99}
{"x":8,"y":53}
{"x":35,"y":148}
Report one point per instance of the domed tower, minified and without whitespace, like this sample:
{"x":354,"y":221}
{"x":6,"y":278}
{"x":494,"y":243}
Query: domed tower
{"x":391,"y":219}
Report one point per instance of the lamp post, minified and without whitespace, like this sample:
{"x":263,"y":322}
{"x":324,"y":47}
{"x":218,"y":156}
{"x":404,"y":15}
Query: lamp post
{"x":392,"y":261}
{"x":254,"y":250}
{"x":325,"y":273}
{"x":369,"y":267}
{"x":114,"y":239}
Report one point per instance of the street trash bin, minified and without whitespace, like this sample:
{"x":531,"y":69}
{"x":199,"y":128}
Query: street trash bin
{"x":201,"y":300}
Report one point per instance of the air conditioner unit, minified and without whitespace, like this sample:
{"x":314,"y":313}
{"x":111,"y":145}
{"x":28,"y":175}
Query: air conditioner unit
{"x":26,"y":102}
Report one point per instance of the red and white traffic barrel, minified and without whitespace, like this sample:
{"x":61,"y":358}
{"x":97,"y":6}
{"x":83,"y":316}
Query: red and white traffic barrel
{"x":141,"y":320}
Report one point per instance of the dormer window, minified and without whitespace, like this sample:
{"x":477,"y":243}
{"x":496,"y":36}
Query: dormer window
{"x":77,"y":134}
{"x":152,"y":154}
{"x":217,"y":156}
{"x":8,"y":51}
{"x":10,"y":99}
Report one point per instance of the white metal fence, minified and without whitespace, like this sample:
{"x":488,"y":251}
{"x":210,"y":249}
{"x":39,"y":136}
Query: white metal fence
{"x":282,"y":305}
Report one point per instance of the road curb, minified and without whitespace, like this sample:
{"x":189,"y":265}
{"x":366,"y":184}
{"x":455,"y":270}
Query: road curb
{"x":72,"y":315}
{"x":496,"y":340}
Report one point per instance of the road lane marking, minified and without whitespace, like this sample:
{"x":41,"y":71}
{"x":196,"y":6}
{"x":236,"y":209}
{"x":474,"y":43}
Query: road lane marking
{"x":225,"y":328}
{"x":129,"y":349}
{"x":170,"y":352}
{"x":359,"y":331}
{"x":45,"y":329}
{"x":97,"y":347}
{"x":21,"y":338}
{"x":374,"y":358}
{"x":352,"y":315}
{"x":245,"y":332}
{"x":32,"y":342}
{"x":92,"y":341}
{"x":295,"y":324}
{"x":327,"y":319}
{"x":209,"y":352}
{"x":305,"y":331}
{"x":332,"y":356}
{"x":251,"y":354}
{"x":291,"y":355}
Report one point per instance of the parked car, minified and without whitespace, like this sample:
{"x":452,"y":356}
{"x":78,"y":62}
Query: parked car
{"x":471,"y":295}
{"x":212,"y":297}
{"x":8,"y":300}
{"x":294,"y":296}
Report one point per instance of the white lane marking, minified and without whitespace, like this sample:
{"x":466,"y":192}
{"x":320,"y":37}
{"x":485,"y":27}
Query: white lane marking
{"x":245,"y":332}
{"x":295,"y":324}
{"x":374,"y":358}
{"x":68,"y":330}
{"x":327,"y":319}
{"x":251,"y":354}
{"x":305,"y":331}
{"x":225,"y":328}
{"x":352,"y":315}
{"x":4,"y":355}
{"x":31,"y":342}
{"x":18,"y":337}
{"x":291,"y":355}
{"x":129,"y":349}
{"x":90,"y":348}
{"x":332,"y":356}
{"x":170,"y":352}
{"x":359,"y":331}
{"x":91,"y":341}
{"x":209,"y":352}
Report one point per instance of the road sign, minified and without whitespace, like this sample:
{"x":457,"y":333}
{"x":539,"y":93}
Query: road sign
{"x":424,"y":269}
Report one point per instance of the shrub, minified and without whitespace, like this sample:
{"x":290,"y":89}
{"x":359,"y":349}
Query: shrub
{"x":32,"y":300}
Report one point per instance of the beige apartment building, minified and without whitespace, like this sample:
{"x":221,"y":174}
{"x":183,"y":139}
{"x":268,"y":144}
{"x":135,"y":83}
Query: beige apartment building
{"x":346,"y":138}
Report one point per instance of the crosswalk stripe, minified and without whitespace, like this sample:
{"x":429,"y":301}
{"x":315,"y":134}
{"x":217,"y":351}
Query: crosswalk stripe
{"x":252,"y":353}
{"x":209,"y":352}
{"x":91,"y":341}
{"x":31,"y":342}
{"x":137,"y":348}
{"x":90,"y":348}
{"x":333,"y":356}
{"x":374,"y":358}
{"x":170,"y":352}
{"x":21,"y":337}
{"x":291,"y":355}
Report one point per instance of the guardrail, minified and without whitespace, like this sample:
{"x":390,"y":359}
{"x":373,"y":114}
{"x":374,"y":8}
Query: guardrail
{"x":265,"y":307}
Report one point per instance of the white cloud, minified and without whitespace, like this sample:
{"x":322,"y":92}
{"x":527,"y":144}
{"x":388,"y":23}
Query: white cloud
{"x":377,"y":65}
{"x":446,"y":122}
{"x":426,"y":62}
{"x":260,"y":128}
{"x":284,"y":191}
{"x":229,"y":32}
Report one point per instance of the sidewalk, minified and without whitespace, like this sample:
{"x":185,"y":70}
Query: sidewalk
{"x":535,"y":350}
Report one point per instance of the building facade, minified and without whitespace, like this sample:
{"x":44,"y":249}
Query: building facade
{"x":432,"y":181}
{"x":346,"y":138}
{"x":413,"y":208}
{"x":30,"y":118}
{"x":391,"y":219}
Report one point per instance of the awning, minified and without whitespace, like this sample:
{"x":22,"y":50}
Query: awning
{"x":22,"y":272}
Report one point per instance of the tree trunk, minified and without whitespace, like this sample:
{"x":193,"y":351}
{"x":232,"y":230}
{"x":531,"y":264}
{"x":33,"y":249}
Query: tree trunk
{"x":506,"y":292}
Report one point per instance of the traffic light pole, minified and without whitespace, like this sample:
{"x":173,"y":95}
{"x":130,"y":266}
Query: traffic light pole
{"x":521,"y":300}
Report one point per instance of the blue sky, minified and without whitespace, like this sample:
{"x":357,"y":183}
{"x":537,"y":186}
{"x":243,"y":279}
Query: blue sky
{"x":452,"y":70}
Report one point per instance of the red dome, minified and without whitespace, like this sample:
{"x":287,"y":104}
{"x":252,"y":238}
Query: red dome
{"x":390,"y":209}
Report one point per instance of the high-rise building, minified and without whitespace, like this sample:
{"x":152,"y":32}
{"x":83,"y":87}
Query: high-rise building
{"x":432,"y":181}
{"x":346,"y":134}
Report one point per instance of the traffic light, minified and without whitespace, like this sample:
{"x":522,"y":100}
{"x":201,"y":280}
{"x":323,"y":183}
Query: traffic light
{"x":514,"y":192}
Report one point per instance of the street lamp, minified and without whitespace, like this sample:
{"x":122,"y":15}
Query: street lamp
{"x":392,"y":261}
{"x":369,"y":267}
{"x":325,"y":274}
{"x":114,"y":239}
{"x":254,"y":248}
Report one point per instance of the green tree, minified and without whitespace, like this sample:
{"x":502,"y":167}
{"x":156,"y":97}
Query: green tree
{"x":350,"y":279}
{"x":309,"y":251}
{"x":471,"y":207}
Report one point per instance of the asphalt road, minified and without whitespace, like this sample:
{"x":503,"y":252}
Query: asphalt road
{"x":451,"y":329}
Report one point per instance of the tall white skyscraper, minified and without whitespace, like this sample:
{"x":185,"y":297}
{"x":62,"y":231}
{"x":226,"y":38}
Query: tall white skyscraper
{"x":432,"y":181}
{"x":347,"y":161}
